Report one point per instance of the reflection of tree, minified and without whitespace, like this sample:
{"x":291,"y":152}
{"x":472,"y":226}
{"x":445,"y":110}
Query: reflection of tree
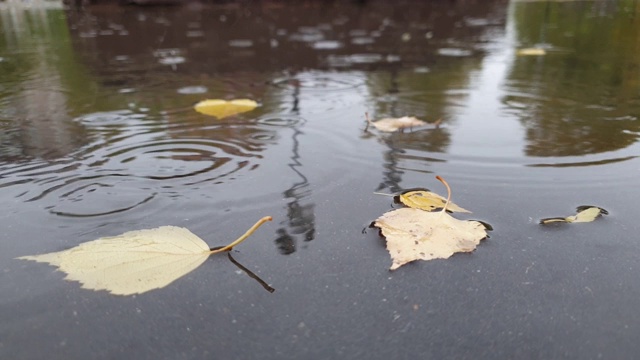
{"x":582,"y":98}
{"x":397,"y":158}
{"x":396,"y":102}
{"x":38,"y":103}
{"x":391,"y":175}
{"x":300,"y":217}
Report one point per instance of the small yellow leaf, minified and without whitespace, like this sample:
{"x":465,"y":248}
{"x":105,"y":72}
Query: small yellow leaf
{"x":585,"y":214}
{"x":136,"y":261}
{"x":223,"y":108}
{"x":531,"y":52}
{"x":428,"y":201}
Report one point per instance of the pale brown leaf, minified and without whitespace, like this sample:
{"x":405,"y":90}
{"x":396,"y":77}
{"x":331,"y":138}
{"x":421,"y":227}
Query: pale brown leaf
{"x":395,"y":124}
{"x":414,"y":234}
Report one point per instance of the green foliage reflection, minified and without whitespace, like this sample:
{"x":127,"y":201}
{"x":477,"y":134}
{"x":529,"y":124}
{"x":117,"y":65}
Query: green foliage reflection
{"x":582,"y":97}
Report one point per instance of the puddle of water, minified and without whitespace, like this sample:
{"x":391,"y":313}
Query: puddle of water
{"x":98,"y":137}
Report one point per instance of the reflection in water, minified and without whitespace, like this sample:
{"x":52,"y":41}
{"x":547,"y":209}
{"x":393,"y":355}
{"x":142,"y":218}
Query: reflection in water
{"x":300,"y":217}
{"x":391,"y":175}
{"x":407,"y":148}
{"x":262,"y":36}
{"x":35,"y":89}
{"x":105,"y":126}
{"x":408,"y":151}
{"x":583,"y":163}
{"x":250,"y":273}
{"x":137,"y":158}
{"x":582,"y":97}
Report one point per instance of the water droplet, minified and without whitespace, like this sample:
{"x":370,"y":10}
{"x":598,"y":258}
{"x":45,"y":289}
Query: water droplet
{"x":241,"y":43}
{"x":188,"y":90}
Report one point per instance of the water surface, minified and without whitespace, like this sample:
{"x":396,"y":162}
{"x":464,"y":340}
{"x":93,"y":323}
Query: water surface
{"x":98,"y":137}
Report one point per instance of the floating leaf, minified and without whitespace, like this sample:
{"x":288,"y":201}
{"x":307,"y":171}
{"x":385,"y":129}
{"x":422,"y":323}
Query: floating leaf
{"x":428,"y":201}
{"x":414,"y":234}
{"x":136,"y":261}
{"x":585,"y":214}
{"x":531,"y":52}
{"x":395,"y":124}
{"x":223,"y":108}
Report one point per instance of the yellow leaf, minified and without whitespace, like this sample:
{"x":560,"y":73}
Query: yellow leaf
{"x":136,"y":261}
{"x":585,"y":214}
{"x":531,"y":52}
{"x":416,"y":234}
{"x":223,"y":108}
{"x":428,"y":201}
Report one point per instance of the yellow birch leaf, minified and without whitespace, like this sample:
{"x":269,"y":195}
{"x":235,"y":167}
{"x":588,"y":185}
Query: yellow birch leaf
{"x":223,"y":108}
{"x":136,"y":261}
{"x":428,"y":201}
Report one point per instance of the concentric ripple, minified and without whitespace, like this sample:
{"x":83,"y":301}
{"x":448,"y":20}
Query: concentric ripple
{"x":320,"y":81}
{"x":136,"y":159}
{"x":316,"y":91}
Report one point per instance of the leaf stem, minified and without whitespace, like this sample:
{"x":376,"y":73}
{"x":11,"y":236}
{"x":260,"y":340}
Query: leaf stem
{"x":444,"y":209}
{"x":243,"y":237}
{"x":366,"y":115}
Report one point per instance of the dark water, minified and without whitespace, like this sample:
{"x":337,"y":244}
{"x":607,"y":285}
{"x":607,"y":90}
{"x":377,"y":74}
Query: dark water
{"x":98,"y":137}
